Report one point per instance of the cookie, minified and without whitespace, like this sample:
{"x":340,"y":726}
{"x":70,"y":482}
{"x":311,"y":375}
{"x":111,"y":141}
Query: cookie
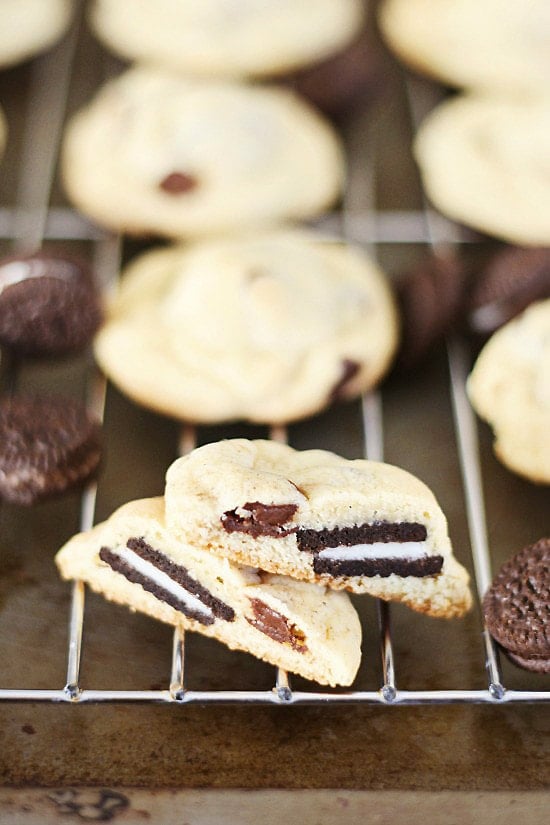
{"x":268,"y":328}
{"x":357,"y":525}
{"x":344,"y":84}
{"x":47,"y":446}
{"x":227,"y":38}
{"x":28,"y":27}
{"x":494,"y":45}
{"x":482,"y":162}
{"x":516,"y":607}
{"x":160,"y":153}
{"x":510,"y":388}
{"x":133,"y":560}
{"x":48,"y":304}
{"x":430,"y":299}
{"x":514,"y":278}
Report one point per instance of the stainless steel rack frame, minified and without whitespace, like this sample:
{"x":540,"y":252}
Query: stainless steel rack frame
{"x":31,"y":221}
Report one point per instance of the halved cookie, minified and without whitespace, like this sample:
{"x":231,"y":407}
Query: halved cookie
{"x":358,"y":525}
{"x":133,"y":560}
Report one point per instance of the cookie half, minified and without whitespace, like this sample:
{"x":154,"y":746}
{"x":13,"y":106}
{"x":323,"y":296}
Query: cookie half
{"x":269,"y":328}
{"x":47,"y":446}
{"x":494,"y":45}
{"x":28,"y":27}
{"x":483,"y":162}
{"x":358,"y":525}
{"x":227,"y":38}
{"x":162,"y":153}
{"x":133,"y":560}
{"x":510,"y":388}
{"x":516,"y":607}
{"x":49,"y":304}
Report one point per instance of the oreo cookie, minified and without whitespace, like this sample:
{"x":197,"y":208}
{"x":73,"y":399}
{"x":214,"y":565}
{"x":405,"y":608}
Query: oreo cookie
{"x":47,"y":445}
{"x":516,"y":607}
{"x":514,"y":278}
{"x":430,"y":299}
{"x":49,"y":305}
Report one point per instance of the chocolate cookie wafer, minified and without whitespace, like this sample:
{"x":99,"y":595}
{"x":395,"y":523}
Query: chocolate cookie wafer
{"x":47,"y":445}
{"x":513,"y":279}
{"x":49,"y":304}
{"x":517,"y":607}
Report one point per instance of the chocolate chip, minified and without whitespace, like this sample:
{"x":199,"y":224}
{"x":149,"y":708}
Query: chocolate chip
{"x":426,"y":566}
{"x":313,"y":541}
{"x":276,"y":626}
{"x":259,"y":519}
{"x":349,"y":369}
{"x":513,"y":279}
{"x":177,"y":183}
{"x":49,"y":304}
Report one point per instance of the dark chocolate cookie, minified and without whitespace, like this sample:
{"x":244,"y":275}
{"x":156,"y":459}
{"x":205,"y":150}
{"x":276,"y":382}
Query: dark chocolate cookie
{"x":513,"y":279}
{"x":517,"y":607}
{"x":48,"y":304}
{"x":430,"y":299}
{"x":47,"y":445}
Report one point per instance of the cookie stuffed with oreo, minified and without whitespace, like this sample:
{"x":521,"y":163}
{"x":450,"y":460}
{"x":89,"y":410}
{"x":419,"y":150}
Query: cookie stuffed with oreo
{"x":516,"y":607}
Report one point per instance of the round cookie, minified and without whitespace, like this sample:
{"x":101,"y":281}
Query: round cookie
{"x":510,"y":388}
{"x":28,"y":27}
{"x":48,"y":304}
{"x":159,"y":153}
{"x":268,"y":328}
{"x":227,"y":38}
{"x":516,"y":607}
{"x":494,"y":45}
{"x":483,"y":162}
{"x":47,"y":445}
{"x":512,"y":280}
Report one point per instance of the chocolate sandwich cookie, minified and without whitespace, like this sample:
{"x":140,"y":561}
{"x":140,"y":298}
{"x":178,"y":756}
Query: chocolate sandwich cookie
{"x":132,"y":559}
{"x":516,"y":607}
{"x":430,"y":299}
{"x":358,"y":525}
{"x":47,"y":445}
{"x":49,"y":304}
{"x":513,"y":279}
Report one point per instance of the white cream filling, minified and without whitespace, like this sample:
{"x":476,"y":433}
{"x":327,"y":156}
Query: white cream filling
{"x":163,"y":580}
{"x":377,"y":550}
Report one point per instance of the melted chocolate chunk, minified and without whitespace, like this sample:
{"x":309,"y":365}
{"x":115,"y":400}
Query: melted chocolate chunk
{"x":177,"y":573}
{"x":276,"y":626}
{"x":427,"y":566}
{"x":260,"y":519}
{"x":312,"y":541}
{"x":349,"y":370}
{"x":178,"y":183}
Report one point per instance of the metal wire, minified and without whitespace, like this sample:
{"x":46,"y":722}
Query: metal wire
{"x":31,"y":221}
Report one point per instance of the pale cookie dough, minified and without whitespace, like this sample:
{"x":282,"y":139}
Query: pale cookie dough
{"x":494,"y":45}
{"x":227,"y":37}
{"x":28,"y":27}
{"x":510,"y":388}
{"x":360,"y":525}
{"x":484,"y":162}
{"x":269,"y":328}
{"x":155,"y":152}
{"x":131,"y":559}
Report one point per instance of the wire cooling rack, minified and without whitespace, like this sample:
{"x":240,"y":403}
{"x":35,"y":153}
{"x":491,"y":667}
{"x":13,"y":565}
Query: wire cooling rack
{"x":31,"y":222}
